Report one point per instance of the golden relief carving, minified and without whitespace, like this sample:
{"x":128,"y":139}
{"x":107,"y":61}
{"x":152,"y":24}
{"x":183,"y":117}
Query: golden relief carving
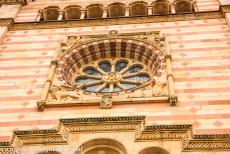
{"x":139,"y":71}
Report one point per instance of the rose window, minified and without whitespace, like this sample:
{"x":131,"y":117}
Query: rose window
{"x":109,"y":76}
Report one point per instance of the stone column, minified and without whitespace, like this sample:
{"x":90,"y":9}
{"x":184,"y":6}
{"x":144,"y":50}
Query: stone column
{"x":38,"y":18}
{"x":104,"y":13}
{"x":61,"y":13}
{"x":127,"y":11}
{"x":42,"y":102}
{"x":150,"y":10}
{"x":83,"y":12}
{"x":172,"y":8}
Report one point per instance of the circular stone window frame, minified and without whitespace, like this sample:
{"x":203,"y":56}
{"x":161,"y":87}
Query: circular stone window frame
{"x":84,"y":54}
{"x":122,"y":72}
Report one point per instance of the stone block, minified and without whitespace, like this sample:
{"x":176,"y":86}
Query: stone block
{"x":224,"y":2}
{"x":9,"y":11}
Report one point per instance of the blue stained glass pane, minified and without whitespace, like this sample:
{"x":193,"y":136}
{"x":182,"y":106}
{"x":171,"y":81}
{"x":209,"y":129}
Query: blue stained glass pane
{"x":92,"y":71}
{"x":105,"y":66}
{"x":129,"y":85}
{"x":120,"y":66}
{"x":116,"y":89}
{"x":85,"y":80}
{"x":92,"y":88}
{"x":139,"y":78}
{"x":105,"y":90}
{"x":134,"y":69}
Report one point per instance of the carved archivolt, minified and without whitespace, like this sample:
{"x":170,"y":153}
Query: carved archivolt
{"x":139,"y":71}
{"x":136,"y":124}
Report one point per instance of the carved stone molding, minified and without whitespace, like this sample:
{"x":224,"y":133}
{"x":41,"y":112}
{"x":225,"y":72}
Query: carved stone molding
{"x":13,"y":2}
{"x":6,"y":22}
{"x":115,"y":21}
{"x":136,"y":124}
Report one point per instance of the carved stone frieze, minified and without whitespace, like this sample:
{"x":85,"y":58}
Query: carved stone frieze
{"x":135,"y":124}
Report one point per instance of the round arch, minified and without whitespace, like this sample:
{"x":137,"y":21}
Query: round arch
{"x":129,"y":48}
{"x":50,"y":13}
{"x":102,"y":145}
{"x":153,"y":150}
{"x":94,"y":11}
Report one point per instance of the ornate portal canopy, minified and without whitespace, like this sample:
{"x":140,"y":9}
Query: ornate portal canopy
{"x":124,"y":67}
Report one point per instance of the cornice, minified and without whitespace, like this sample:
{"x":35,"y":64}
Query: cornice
{"x":12,"y":2}
{"x":6,"y":22}
{"x":135,"y":124}
{"x":225,"y":9}
{"x":115,"y":21}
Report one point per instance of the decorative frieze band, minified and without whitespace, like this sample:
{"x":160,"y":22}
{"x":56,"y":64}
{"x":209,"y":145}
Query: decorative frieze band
{"x":136,"y":124}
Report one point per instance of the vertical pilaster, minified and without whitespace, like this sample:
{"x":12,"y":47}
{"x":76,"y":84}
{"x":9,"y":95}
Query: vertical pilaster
{"x":45,"y":92}
{"x":150,"y":10}
{"x":127,"y":11}
{"x":83,"y":12}
{"x":61,"y":14}
{"x":104,"y":13}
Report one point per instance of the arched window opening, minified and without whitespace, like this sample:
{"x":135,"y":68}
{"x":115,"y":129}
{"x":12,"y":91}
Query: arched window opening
{"x":183,"y":6}
{"x":72,"y":12}
{"x":161,"y":7}
{"x":102,"y":146}
{"x":116,"y":10}
{"x":153,"y":150}
{"x":138,"y":9}
{"x":50,"y":13}
{"x":94,"y":11}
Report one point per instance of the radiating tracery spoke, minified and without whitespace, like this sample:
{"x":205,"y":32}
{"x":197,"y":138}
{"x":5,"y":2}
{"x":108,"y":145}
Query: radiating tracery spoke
{"x":112,"y":76}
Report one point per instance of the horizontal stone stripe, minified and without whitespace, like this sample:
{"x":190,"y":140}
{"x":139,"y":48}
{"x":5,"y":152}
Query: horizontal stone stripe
{"x":190,"y":117}
{"x":202,"y":58}
{"x":22,"y":98}
{"x":46,"y":48}
{"x":29,"y":123}
{"x":195,"y":33}
{"x":203,"y":90}
{"x":212,"y":131}
{"x":175,"y":69}
{"x":31,"y":42}
{"x":9,"y":87}
{"x":23,"y":67}
{"x":26,"y":58}
{"x":216,"y":40}
{"x":211,"y":78}
{"x":200,"y":49}
{"x":23,"y":77}
{"x":202,"y":103}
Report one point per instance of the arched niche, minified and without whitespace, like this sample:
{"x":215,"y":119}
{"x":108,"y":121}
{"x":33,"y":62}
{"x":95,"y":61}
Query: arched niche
{"x":72,"y":12}
{"x":94,"y":11}
{"x":153,"y":150}
{"x":50,"y":13}
{"x":50,"y":152}
{"x":102,"y":146}
{"x":161,"y":7}
{"x":116,"y":10}
{"x":183,"y":6}
{"x":138,"y":8}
